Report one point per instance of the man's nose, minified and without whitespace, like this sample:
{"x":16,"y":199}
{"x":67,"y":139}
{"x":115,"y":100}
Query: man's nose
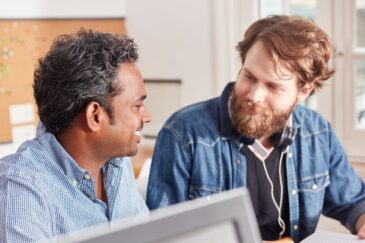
{"x":146,"y":115}
{"x":257,"y":93}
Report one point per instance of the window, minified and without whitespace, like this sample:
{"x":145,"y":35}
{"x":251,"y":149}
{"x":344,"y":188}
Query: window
{"x":359,"y":65}
{"x":293,"y":7}
{"x":351,"y":40}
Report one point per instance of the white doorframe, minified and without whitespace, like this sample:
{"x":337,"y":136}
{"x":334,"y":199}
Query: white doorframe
{"x":230,"y":19}
{"x":353,"y":138}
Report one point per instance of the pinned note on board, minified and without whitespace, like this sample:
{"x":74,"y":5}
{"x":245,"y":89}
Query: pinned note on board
{"x":22,"y":133}
{"x":21,"y":113}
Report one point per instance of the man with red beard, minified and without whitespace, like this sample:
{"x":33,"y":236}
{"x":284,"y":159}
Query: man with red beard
{"x":256,"y":135}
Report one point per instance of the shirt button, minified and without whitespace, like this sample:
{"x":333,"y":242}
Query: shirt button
{"x":237,"y":161}
{"x":290,"y":155}
{"x":74,"y":182}
{"x":315,"y":187}
{"x":293,"y":192}
{"x":296,"y":227}
{"x":87,"y":176}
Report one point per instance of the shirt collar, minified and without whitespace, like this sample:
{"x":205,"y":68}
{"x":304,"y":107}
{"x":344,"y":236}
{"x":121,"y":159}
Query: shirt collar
{"x":64,"y":160}
{"x":61,"y":157}
{"x":226,"y":126}
{"x":118,"y":162}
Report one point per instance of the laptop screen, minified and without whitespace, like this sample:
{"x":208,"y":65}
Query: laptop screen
{"x":225,"y":217}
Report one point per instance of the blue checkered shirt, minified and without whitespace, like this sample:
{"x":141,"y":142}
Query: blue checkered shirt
{"x":44,"y":193}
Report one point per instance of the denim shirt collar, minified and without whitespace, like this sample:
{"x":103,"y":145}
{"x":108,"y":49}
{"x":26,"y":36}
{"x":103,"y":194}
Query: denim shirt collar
{"x":226,"y":127}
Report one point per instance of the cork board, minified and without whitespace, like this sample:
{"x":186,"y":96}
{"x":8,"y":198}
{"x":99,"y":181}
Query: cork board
{"x":22,"y":42}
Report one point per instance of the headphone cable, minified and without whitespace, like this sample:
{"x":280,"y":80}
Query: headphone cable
{"x":278,"y":207}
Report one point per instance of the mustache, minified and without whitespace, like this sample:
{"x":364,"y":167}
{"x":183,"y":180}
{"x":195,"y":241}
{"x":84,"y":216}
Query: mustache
{"x":256,"y":106}
{"x":140,"y":127}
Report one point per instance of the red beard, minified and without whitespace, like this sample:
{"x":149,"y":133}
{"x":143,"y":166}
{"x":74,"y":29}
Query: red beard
{"x":255,"y":120}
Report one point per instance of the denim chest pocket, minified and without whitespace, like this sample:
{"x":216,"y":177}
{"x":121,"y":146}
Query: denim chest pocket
{"x":315,"y":183}
{"x":311,"y":191}
{"x":202,"y":191}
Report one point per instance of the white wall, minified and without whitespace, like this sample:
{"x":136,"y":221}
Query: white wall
{"x":189,"y":40}
{"x":175,"y":42}
{"x":230,"y":20}
{"x":25,"y":9}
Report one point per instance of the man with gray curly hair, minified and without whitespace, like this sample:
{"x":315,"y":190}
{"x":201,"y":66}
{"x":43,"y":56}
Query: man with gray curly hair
{"x":90,"y":93}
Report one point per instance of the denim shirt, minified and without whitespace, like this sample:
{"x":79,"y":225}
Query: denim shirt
{"x":197,"y":153}
{"x":45,"y":193}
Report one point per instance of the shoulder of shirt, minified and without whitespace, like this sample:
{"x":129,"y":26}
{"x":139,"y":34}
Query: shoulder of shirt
{"x":25,"y":163}
{"x":308,"y":120}
{"x":194,"y":112}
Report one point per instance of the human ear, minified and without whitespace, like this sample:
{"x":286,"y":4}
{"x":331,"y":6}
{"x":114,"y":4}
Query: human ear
{"x":94,"y":115}
{"x":304,"y":92}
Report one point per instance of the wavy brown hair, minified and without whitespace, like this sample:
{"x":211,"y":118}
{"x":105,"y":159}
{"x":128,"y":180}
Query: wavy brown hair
{"x":296,"y":42}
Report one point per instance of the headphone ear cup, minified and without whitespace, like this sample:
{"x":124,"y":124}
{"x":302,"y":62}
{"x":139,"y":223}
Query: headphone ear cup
{"x":283,"y":139}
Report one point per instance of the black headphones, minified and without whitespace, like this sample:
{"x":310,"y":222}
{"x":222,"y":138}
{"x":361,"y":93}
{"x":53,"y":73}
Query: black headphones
{"x":280,"y":140}
{"x":284,"y":138}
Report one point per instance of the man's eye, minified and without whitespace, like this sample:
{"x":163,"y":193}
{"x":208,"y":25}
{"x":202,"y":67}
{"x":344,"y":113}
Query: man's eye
{"x":249,"y":77}
{"x":275,"y":88}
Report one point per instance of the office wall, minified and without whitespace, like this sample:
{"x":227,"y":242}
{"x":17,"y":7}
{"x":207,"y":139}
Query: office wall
{"x":30,"y":9}
{"x":190,"y":40}
{"x":175,"y":42}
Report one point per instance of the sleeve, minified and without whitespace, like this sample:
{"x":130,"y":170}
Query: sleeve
{"x":345,"y":196}
{"x":169,"y":175}
{"x":24,"y":213}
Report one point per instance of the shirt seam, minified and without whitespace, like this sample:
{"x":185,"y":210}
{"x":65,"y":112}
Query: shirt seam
{"x":314,"y":133}
{"x":315,"y":176}
{"x":179,"y":139}
{"x":207,"y":144}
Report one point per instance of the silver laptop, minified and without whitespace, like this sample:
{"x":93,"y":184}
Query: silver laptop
{"x":225,"y":217}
